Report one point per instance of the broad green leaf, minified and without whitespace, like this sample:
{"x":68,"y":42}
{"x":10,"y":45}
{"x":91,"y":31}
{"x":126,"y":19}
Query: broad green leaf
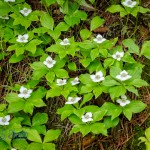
{"x":86,"y":98}
{"x":84,"y":129}
{"x":4,"y":8}
{"x":72,"y":66}
{"x":50,"y":76}
{"x":51,"y":135}
{"x":114,"y":92}
{"x":48,"y":146}
{"x":98,"y":128}
{"x":4,"y":145}
{"x":147,"y":133}
{"x":62,"y":26}
{"x":108,"y":62}
{"x":56,"y":91}
{"x":86,"y":88}
{"x":49,"y":2}
{"x":15,"y":59}
{"x":94,"y":53}
{"x":16,"y":106}
{"x":33,"y":135}
{"x":132,"y":47}
{"x":61,"y":73}
{"x":85,"y":79}
{"x":47,"y":21}
{"x":99,"y":115}
{"x":117,"y":8}
{"x":132,"y":89}
{"x":39,"y":119}
{"x":146,"y":49}
{"x":85,"y":33}
{"x":139,"y":83}
{"x":109,"y":123}
{"x":97,"y":91}
{"x":12,"y":97}
{"x":74,"y":119}
{"x":20,"y":144}
{"x":2,"y":106}
{"x":109,"y":81}
{"x":36,"y":146}
{"x":96,"y":22}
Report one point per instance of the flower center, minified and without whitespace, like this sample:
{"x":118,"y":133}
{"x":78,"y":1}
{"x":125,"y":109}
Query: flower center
{"x":22,"y":38}
{"x":123,"y":74}
{"x":97,"y":77}
{"x":117,"y":56}
{"x":65,"y":41}
{"x":87,"y":116}
{"x":72,"y":100}
{"x":49,"y":61}
{"x":61,"y":82}
{"x":25,"y":10}
{"x":4,"y":120}
{"x":129,"y":2}
{"x":99,"y":38}
{"x":25,"y":92}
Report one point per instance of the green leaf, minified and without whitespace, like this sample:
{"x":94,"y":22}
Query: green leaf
{"x":51,"y":135}
{"x":85,"y":33}
{"x":147,"y":133}
{"x":98,"y":128}
{"x":97,"y":91}
{"x":49,"y":2}
{"x":61,"y":73}
{"x":114,"y":92}
{"x":39,"y":119}
{"x":117,"y":8}
{"x":36,"y":146}
{"x":86,"y":89}
{"x":12,"y":97}
{"x":56,"y":91}
{"x":20,"y":144}
{"x":85,"y":62}
{"x":4,"y":145}
{"x":109,"y":81}
{"x":33,"y":135}
{"x":16,"y":106}
{"x":2,"y":106}
{"x":132,"y":47}
{"x":86,"y":98}
{"x":85,"y":79}
{"x":96,"y":22}
{"x":94,"y":53}
{"x":146,"y":49}
{"x":62,"y":26}
{"x":47,"y":21}
{"x":108,"y":62}
{"x":50,"y":76}
{"x":5,"y":8}
{"x":15,"y":59}
{"x":72,"y":66}
{"x":109,"y":123}
{"x":132,"y":89}
{"x":48,"y":146}
{"x":99,"y":115}
{"x":139,"y":83}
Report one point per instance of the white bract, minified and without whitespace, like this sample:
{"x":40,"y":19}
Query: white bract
{"x":61,"y":82}
{"x":73,"y":100}
{"x":129,"y":3}
{"x":24,"y":92}
{"x":22,"y":38}
{"x":4,"y":17}
{"x":49,"y":62}
{"x":65,"y":42}
{"x":87,"y":117}
{"x":118,"y":55}
{"x":75,"y":81}
{"x":123,"y":101}
{"x":97,"y":77}
{"x":123,"y":76}
{"x":25,"y":11}
{"x":4,"y":120}
{"x":9,"y":0}
{"x":99,"y":39}
{"x":13,"y":149}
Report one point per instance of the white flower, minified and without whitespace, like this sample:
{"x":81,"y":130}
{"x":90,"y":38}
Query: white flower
{"x":22,"y":38}
{"x":65,"y":42}
{"x":49,"y":62}
{"x":118,"y":55}
{"x":99,"y":39}
{"x":87,"y":117}
{"x":97,"y":77}
{"x":129,"y":3}
{"x":9,"y":0}
{"x":13,"y":149}
{"x":75,"y":81}
{"x":123,"y":76}
{"x":24,"y":92}
{"x":25,"y":11}
{"x":73,"y":100}
{"x":61,"y":82}
{"x":4,"y":120}
{"x":4,"y":17}
{"x":123,"y":101}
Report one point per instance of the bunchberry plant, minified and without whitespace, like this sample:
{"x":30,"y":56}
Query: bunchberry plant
{"x":79,"y":70}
